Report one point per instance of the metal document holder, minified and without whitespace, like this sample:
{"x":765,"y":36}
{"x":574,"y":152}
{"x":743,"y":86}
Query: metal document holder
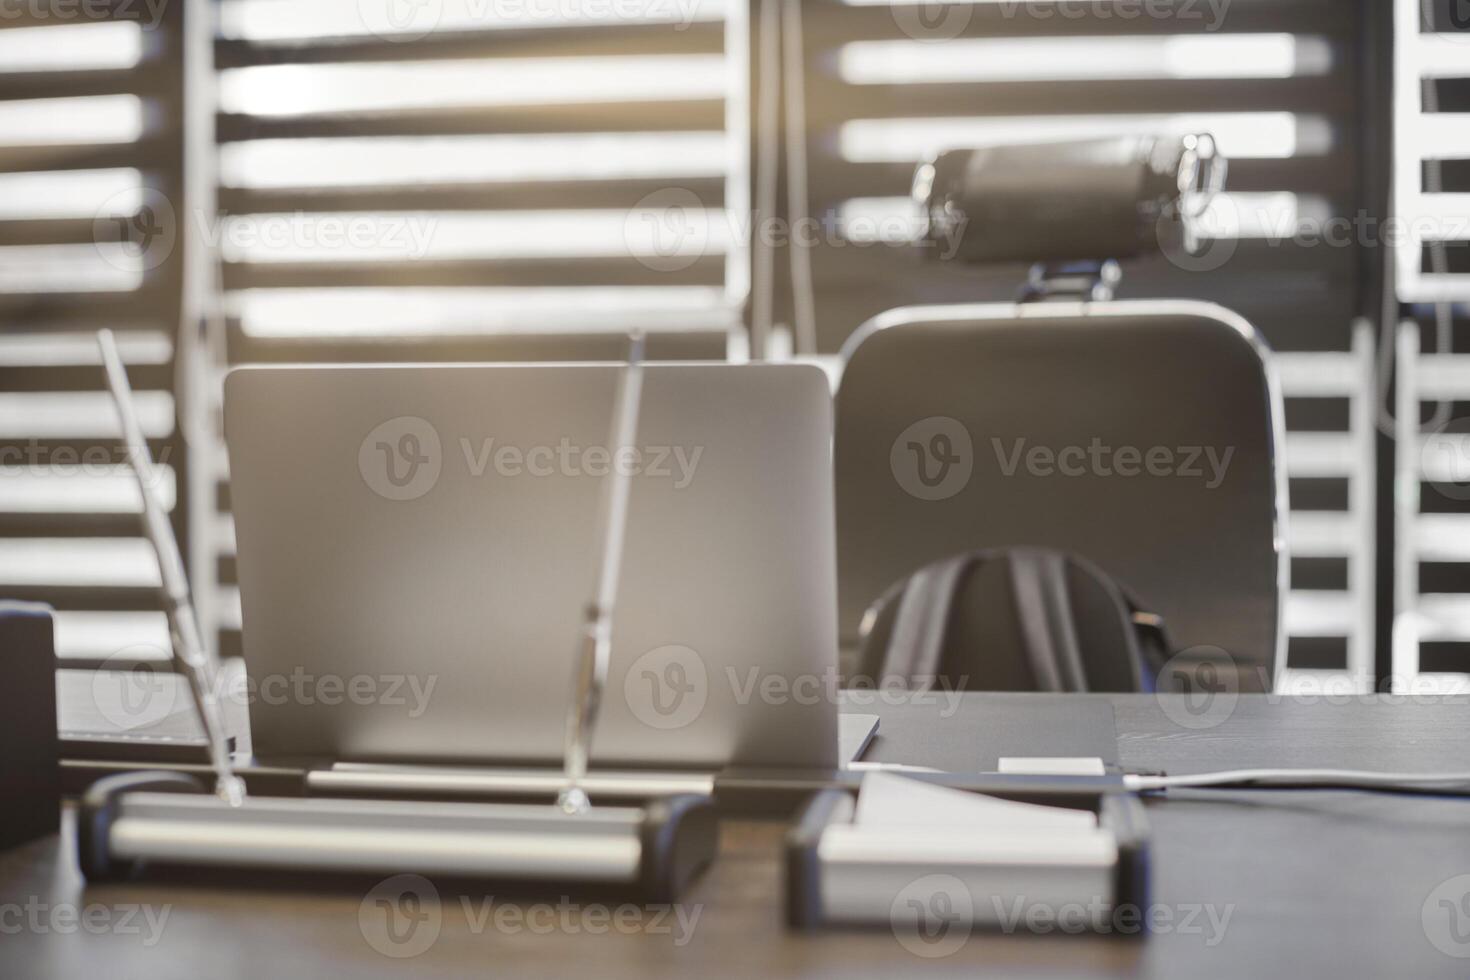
{"x":132,"y":820}
{"x":831,"y":887}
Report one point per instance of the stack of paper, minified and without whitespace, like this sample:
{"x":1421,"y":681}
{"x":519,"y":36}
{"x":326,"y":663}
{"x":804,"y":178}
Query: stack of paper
{"x":1010,"y":856}
{"x":894,"y":802}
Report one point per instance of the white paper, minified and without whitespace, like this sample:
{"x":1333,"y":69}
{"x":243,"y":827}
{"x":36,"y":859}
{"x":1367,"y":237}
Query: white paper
{"x":888,"y":767}
{"x":887,"y":800}
{"x":1052,"y":765}
{"x":854,"y":732}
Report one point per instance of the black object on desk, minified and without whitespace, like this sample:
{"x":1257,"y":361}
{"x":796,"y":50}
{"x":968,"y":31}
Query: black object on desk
{"x":29,"y":763}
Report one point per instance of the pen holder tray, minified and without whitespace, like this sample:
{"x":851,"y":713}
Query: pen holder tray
{"x":838,"y":875}
{"x":130,"y":821}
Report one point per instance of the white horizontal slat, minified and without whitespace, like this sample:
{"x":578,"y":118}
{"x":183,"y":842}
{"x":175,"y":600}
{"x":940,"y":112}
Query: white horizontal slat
{"x":1321,"y":454}
{"x":227,"y":608}
{"x":224,"y":534}
{"x":139,"y":636}
{"x":658,"y":233}
{"x":390,"y":160}
{"x":88,"y":119}
{"x":1313,"y":613}
{"x":89,"y":194}
{"x":99,"y":562}
{"x":1442,"y":537}
{"x":1444,"y":457}
{"x":80,"y":415}
{"x":109,"y":488}
{"x":292,"y":90}
{"x":105,"y":267}
{"x":80,"y":349}
{"x":1443,"y":376}
{"x":1271,"y":216}
{"x":881,"y":219}
{"x":1322,"y":534}
{"x":471,"y":311}
{"x":1443,"y":56}
{"x":215,"y":461}
{"x":1015,"y":59}
{"x":1241,"y":135}
{"x":71,"y":47}
{"x":1439,"y":217}
{"x":263,"y":20}
{"x":1443,"y":617}
{"x":1319,"y":374}
{"x":1438,"y":136}
{"x":1421,"y":287}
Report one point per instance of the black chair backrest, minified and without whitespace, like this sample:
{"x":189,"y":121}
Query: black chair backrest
{"x":1142,"y":435}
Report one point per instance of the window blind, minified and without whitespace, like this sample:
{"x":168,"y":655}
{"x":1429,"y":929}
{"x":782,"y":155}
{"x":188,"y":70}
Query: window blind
{"x":477,"y":179}
{"x":89,"y":158}
{"x":1431,"y":638}
{"x":481,"y":175}
{"x":890,"y":83}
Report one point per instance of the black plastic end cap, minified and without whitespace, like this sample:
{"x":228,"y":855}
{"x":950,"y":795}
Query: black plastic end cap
{"x":680,"y":837}
{"x":803,"y":866}
{"x":98,"y":809}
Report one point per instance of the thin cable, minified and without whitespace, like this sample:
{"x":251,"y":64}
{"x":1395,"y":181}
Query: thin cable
{"x":803,"y":292}
{"x":1394,"y":782}
{"x":767,"y":141}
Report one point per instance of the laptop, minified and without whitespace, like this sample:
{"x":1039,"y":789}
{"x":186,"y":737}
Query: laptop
{"x":415,"y":552}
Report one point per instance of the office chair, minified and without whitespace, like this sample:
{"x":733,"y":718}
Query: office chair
{"x":1142,"y":435}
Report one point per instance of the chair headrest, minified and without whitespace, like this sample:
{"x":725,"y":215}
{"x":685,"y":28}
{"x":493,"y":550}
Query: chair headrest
{"x":1113,"y":198}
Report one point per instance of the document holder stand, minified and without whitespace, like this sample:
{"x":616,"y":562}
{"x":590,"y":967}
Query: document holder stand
{"x":168,"y":818}
{"x":836,"y":876}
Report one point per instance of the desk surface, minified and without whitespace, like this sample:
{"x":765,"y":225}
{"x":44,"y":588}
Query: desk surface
{"x":1319,"y":883}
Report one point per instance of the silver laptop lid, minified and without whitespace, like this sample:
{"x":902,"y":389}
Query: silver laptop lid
{"x":414,"y":551}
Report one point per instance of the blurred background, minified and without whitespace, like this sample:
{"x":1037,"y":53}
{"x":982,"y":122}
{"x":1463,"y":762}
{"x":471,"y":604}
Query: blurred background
{"x":239,"y":181}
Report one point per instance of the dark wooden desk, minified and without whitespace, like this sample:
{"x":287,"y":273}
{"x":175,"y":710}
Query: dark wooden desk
{"x":1324,"y":884}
